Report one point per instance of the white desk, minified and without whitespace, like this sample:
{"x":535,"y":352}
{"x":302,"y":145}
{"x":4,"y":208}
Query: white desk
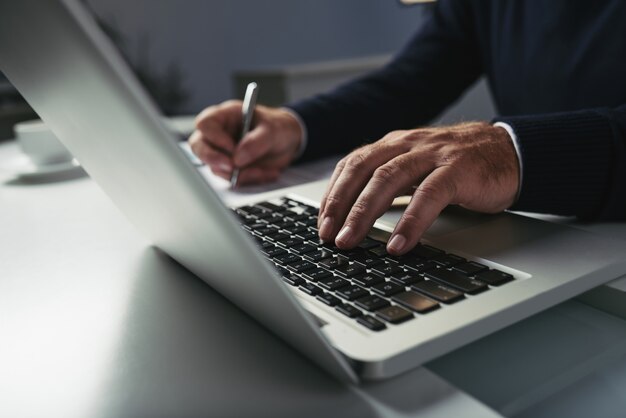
{"x":95,"y":322}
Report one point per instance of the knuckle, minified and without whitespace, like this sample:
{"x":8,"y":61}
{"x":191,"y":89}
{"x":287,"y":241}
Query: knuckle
{"x":341,"y":164}
{"x":411,"y":136}
{"x":410,"y":219}
{"x":393,"y":135}
{"x":356,"y":161}
{"x":428,"y":192}
{"x":445,"y":188}
{"x":359,"y":210}
{"x":386,"y":174}
{"x":205,"y":116}
{"x":331,"y":203}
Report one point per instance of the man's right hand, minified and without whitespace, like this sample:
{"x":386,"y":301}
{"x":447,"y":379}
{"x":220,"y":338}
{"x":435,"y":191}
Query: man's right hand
{"x":269,"y":147}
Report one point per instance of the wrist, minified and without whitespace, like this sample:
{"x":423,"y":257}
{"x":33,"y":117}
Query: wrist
{"x":520,"y":167}
{"x":296,"y":130}
{"x":507,"y":138}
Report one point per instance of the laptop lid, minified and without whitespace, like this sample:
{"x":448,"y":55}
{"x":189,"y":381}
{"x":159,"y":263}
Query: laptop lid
{"x":73,"y":77}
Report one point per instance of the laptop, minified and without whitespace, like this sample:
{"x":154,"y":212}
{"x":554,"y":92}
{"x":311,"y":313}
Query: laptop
{"x":358,"y":314}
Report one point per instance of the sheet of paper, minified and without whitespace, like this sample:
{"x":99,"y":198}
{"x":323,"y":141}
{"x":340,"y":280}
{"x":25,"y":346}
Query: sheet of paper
{"x":293,"y":176}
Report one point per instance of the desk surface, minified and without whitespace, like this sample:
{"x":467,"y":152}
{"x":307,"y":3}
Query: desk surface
{"x":95,"y":322}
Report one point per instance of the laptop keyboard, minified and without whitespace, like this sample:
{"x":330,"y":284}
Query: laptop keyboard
{"x":366,"y":284}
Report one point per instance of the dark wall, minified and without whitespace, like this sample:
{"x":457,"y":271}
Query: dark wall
{"x":208,"y":40}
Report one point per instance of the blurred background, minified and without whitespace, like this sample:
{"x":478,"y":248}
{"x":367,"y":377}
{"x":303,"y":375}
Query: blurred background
{"x":192,"y":53}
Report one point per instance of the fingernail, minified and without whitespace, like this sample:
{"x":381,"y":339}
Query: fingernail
{"x":344,"y":235}
{"x":326,"y":228}
{"x":225,"y":167}
{"x":242,"y":158}
{"x":397,"y":243}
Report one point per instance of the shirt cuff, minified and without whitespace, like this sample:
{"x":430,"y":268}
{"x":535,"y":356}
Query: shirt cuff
{"x":568,"y":161}
{"x":515,"y":142}
{"x":304,"y":135}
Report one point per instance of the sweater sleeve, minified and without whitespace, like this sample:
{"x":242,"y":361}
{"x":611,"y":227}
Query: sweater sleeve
{"x":436,"y":66}
{"x":574,"y":163}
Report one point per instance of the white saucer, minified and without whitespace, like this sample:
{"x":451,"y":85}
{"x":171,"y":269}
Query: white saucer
{"x":23,"y":168}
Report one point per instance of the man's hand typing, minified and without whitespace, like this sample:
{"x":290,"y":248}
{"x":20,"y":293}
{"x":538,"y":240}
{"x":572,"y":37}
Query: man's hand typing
{"x":472,"y":164}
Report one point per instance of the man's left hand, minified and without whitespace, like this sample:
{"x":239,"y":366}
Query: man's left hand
{"x":473,"y":165}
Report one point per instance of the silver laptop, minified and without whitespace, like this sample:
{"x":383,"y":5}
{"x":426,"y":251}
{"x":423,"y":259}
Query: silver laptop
{"x":358,"y":314}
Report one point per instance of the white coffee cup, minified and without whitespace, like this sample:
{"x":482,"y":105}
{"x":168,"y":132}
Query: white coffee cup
{"x":40,"y":145}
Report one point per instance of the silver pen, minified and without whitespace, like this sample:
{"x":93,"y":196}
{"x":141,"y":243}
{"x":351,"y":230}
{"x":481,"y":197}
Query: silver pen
{"x":247,"y":111}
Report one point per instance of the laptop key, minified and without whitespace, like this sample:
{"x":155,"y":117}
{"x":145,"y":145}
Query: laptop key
{"x":328,"y":299}
{"x":470,"y":268}
{"x":293,"y":280}
{"x":387,"y":288}
{"x":290,"y":242}
{"x":264,"y":229}
{"x":352,"y":292}
{"x":273,"y":251}
{"x":426,"y":251}
{"x":248,"y":220}
{"x":387,"y":269}
{"x":266,"y":244}
{"x":368,"y":279}
{"x":282,"y":271}
{"x":309,"y":222}
{"x":303,"y":248}
{"x":420,"y":265}
{"x":405,"y":277}
{"x":295,"y":230}
{"x":277,"y":237}
{"x":318,"y":255}
{"x":370,"y":322}
{"x":379,"y":251}
{"x":457,"y":280}
{"x":264,"y":215}
{"x":415,"y":301}
{"x":368,"y":260}
{"x":295,"y":216}
{"x":269,"y":206}
{"x":332,"y":283}
{"x":372,"y":302}
{"x":494,"y":277}
{"x":394,"y":314}
{"x":368,"y":243}
{"x":300,"y":266}
{"x":348,"y":310}
{"x":287,"y":258}
{"x":250,"y":210}
{"x":317,"y":274}
{"x":310,"y":289}
{"x":308,"y":235}
{"x":333,"y":263}
{"x":437,"y":291}
{"x":448,"y":260}
{"x":283,"y":224}
{"x":352,"y":253}
{"x":350,"y":270}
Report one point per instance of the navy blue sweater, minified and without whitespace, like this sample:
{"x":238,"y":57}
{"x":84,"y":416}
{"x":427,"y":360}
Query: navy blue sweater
{"x":557,"y":73}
